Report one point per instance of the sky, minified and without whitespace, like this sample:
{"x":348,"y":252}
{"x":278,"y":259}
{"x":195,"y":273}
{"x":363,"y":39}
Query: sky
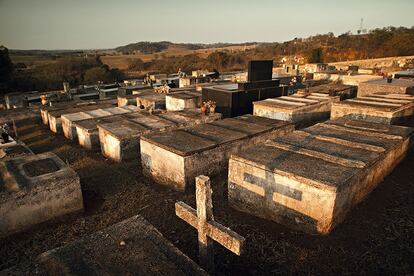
{"x":103,"y":24}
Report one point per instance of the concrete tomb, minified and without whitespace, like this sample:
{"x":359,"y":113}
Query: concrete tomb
{"x":345,"y":78}
{"x":333,"y":89}
{"x":120,"y":140}
{"x":406,"y":74}
{"x":55,"y":120}
{"x":130,"y":247}
{"x":127,"y":100}
{"x":301,"y":109}
{"x":19,"y":116}
{"x":13,"y":150}
{"x":68,"y":120}
{"x":378,"y":108}
{"x":175,"y":158}
{"x":45,"y":109}
{"x":129,"y":90}
{"x":183,"y":100}
{"x":87,"y":130}
{"x":150,"y":100}
{"x":396,"y":86}
{"x":34,"y":189}
{"x":310,"y":179}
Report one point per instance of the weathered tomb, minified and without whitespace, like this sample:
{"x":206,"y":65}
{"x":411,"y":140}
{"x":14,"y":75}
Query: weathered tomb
{"x":183,"y":100}
{"x":301,"y":109}
{"x":13,"y":150}
{"x":68,"y":120}
{"x":333,"y":89}
{"x":404,"y":74}
{"x":19,"y":116}
{"x":127,"y":100}
{"x":87,"y":130}
{"x":396,"y":86}
{"x":310,"y":179}
{"x":120,"y":139}
{"x":130,"y":247}
{"x":45,"y":109}
{"x":34,"y":189}
{"x":378,"y":108}
{"x":150,"y":100}
{"x":175,"y":158}
{"x":129,"y":90}
{"x":55,"y":120}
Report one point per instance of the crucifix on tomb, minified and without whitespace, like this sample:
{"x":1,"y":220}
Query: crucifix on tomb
{"x":208,"y":230}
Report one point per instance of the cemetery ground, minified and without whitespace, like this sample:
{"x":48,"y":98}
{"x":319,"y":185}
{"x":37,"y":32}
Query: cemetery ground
{"x":376,"y":237}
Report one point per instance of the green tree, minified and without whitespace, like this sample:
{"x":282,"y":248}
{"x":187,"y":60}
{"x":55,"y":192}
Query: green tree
{"x":6,"y":66}
{"x":96,"y":74}
{"x":136,"y":64}
{"x":315,"y":55}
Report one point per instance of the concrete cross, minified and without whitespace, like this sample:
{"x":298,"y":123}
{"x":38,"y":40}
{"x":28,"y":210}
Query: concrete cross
{"x":208,"y":230}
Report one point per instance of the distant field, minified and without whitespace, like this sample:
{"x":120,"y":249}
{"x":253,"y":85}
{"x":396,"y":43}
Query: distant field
{"x":121,"y":61}
{"x":32,"y":60}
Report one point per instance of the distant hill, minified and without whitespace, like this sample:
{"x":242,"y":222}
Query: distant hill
{"x":146,"y":47}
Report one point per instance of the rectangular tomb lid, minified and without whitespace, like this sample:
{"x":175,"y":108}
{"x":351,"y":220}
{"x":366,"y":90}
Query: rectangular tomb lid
{"x":326,"y":155}
{"x":185,"y":95}
{"x":380,"y":102}
{"x":77,"y":116}
{"x":98,"y":113}
{"x":395,"y":82}
{"x":293,"y":102}
{"x":227,"y":87}
{"x":220,"y":134}
{"x":124,"y":129}
{"x":145,"y":252}
{"x":91,"y":124}
{"x":153,"y":122}
{"x":177,"y":117}
{"x":198,"y":138}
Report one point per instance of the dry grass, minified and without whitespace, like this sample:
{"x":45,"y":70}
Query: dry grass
{"x":376,"y":238}
{"x":121,"y":61}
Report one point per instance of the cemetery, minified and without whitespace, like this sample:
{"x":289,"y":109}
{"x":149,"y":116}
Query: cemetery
{"x":241,"y":178}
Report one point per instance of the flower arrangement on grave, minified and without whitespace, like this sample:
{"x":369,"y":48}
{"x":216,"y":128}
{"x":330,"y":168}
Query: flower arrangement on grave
{"x":164,"y":89}
{"x":208,"y":107}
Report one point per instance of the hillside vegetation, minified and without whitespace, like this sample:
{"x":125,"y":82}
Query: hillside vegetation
{"x":48,"y":69}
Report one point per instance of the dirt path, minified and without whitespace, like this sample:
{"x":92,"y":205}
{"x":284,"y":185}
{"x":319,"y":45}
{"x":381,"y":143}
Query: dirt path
{"x":377,"y":237}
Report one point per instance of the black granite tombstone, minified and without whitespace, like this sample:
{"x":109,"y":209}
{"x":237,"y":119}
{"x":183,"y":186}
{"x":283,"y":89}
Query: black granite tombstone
{"x":127,"y":90}
{"x":259,"y":70}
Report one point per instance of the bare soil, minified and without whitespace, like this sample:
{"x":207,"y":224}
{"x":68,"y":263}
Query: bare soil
{"x":376,"y":238}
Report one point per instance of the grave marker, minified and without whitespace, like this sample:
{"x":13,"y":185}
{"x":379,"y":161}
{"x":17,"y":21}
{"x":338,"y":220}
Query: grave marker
{"x":208,"y":230}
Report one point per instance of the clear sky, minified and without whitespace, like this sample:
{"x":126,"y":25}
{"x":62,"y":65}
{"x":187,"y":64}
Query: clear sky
{"x":87,"y":24}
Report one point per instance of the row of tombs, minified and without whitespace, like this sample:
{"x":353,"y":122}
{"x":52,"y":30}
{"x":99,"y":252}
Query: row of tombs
{"x":346,"y":141}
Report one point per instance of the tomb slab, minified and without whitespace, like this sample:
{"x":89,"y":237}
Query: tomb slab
{"x":396,"y":86}
{"x":378,"y":108}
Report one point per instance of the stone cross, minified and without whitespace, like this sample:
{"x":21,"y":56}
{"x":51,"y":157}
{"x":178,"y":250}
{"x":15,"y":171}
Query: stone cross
{"x":208,"y":230}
